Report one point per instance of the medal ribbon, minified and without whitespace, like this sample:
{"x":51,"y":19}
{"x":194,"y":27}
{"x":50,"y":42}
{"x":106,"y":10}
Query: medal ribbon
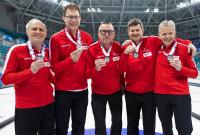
{"x":137,"y":47}
{"x":107,"y":54}
{"x":31,"y":51}
{"x":78,"y":42}
{"x":171,"y":51}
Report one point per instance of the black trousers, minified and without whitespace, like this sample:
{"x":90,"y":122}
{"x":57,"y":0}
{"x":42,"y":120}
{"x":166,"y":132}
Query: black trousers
{"x":74,"y":103}
{"x":136,"y":102}
{"x":99,"y":110}
{"x":35,"y":121}
{"x":180,"y":106}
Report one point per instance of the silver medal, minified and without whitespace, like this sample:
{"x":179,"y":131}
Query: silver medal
{"x":39,"y":57}
{"x":170,"y":57}
{"x":107,"y":59}
{"x":135,"y":54}
{"x":79,"y":46}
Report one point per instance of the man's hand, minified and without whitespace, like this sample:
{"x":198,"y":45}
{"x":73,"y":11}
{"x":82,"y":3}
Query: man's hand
{"x":193,"y":49}
{"x":99,"y":63}
{"x":126,"y":42}
{"x":75,"y":55}
{"x":129,"y":49}
{"x":36,"y":66}
{"x":176,"y":64}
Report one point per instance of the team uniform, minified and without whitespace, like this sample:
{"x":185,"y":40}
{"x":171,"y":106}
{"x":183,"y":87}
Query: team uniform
{"x":140,"y":85}
{"x":71,"y":82}
{"x":34,"y":110}
{"x":106,"y":87}
{"x":139,"y":79}
{"x":172,"y":89}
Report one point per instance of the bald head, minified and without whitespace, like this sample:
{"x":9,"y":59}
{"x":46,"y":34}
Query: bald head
{"x":34,"y":21}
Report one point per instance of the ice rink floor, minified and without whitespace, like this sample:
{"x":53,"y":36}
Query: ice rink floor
{"x":7,"y":103}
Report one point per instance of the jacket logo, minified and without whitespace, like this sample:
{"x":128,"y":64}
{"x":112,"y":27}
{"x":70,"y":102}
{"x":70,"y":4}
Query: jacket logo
{"x":65,"y":45}
{"x":147,"y":54}
{"x":116,"y":58}
{"x":101,"y":56}
{"x":28,"y":58}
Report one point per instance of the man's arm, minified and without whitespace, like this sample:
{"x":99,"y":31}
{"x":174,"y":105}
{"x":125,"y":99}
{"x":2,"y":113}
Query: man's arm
{"x":11,"y":75}
{"x":54,"y":51}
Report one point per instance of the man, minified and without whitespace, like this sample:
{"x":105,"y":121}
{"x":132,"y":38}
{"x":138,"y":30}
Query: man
{"x":68,"y":57}
{"x":138,"y":62}
{"x":173,"y":68}
{"x":102,"y":67}
{"x":27,"y":67}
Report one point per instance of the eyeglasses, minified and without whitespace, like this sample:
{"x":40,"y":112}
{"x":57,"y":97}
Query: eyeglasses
{"x":73,"y":17}
{"x":103,"y":32}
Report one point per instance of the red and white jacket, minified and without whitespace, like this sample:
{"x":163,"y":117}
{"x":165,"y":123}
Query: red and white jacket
{"x":31,"y":90}
{"x":70,"y":76}
{"x":168,"y":79}
{"x":107,"y":80}
{"x":140,"y":72}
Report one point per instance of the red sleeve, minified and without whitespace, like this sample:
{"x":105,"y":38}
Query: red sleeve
{"x":54,"y":51}
{"x":90,"y":66}
{"x":11,"y":75}
{"x":186,"y":42}
{"x":123,"y":62}
{"x":189,"y":67}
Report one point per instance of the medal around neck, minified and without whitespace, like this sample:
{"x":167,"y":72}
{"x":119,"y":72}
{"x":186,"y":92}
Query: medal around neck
{"x":78,"y":42}
{"x":31,"y":51}
{"x":107,"y":59}
{"x":39,"y":57}
{"x":106,"y":54}
{"x":170,"y":57}
{"x":135,"y":55}
{"x":79,"y":47}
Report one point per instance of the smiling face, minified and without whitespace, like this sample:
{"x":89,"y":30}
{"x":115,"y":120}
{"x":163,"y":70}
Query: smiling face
{"x":135,"y":32}
{"x":106,"y":34}
{"x":36,"y":32}
{"x":167,"y":32}
{"x":72,"y":20}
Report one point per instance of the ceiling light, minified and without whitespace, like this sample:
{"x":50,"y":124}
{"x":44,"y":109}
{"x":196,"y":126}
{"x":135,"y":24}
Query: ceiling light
{"x":155,"y":10}
{"x":147,"y":10}
{"x":64,"y":3}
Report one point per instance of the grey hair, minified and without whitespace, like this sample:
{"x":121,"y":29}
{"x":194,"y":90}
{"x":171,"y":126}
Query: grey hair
{"x":33,"y":21}
{"x":167,"y":23}
{"x":108,"y":23}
